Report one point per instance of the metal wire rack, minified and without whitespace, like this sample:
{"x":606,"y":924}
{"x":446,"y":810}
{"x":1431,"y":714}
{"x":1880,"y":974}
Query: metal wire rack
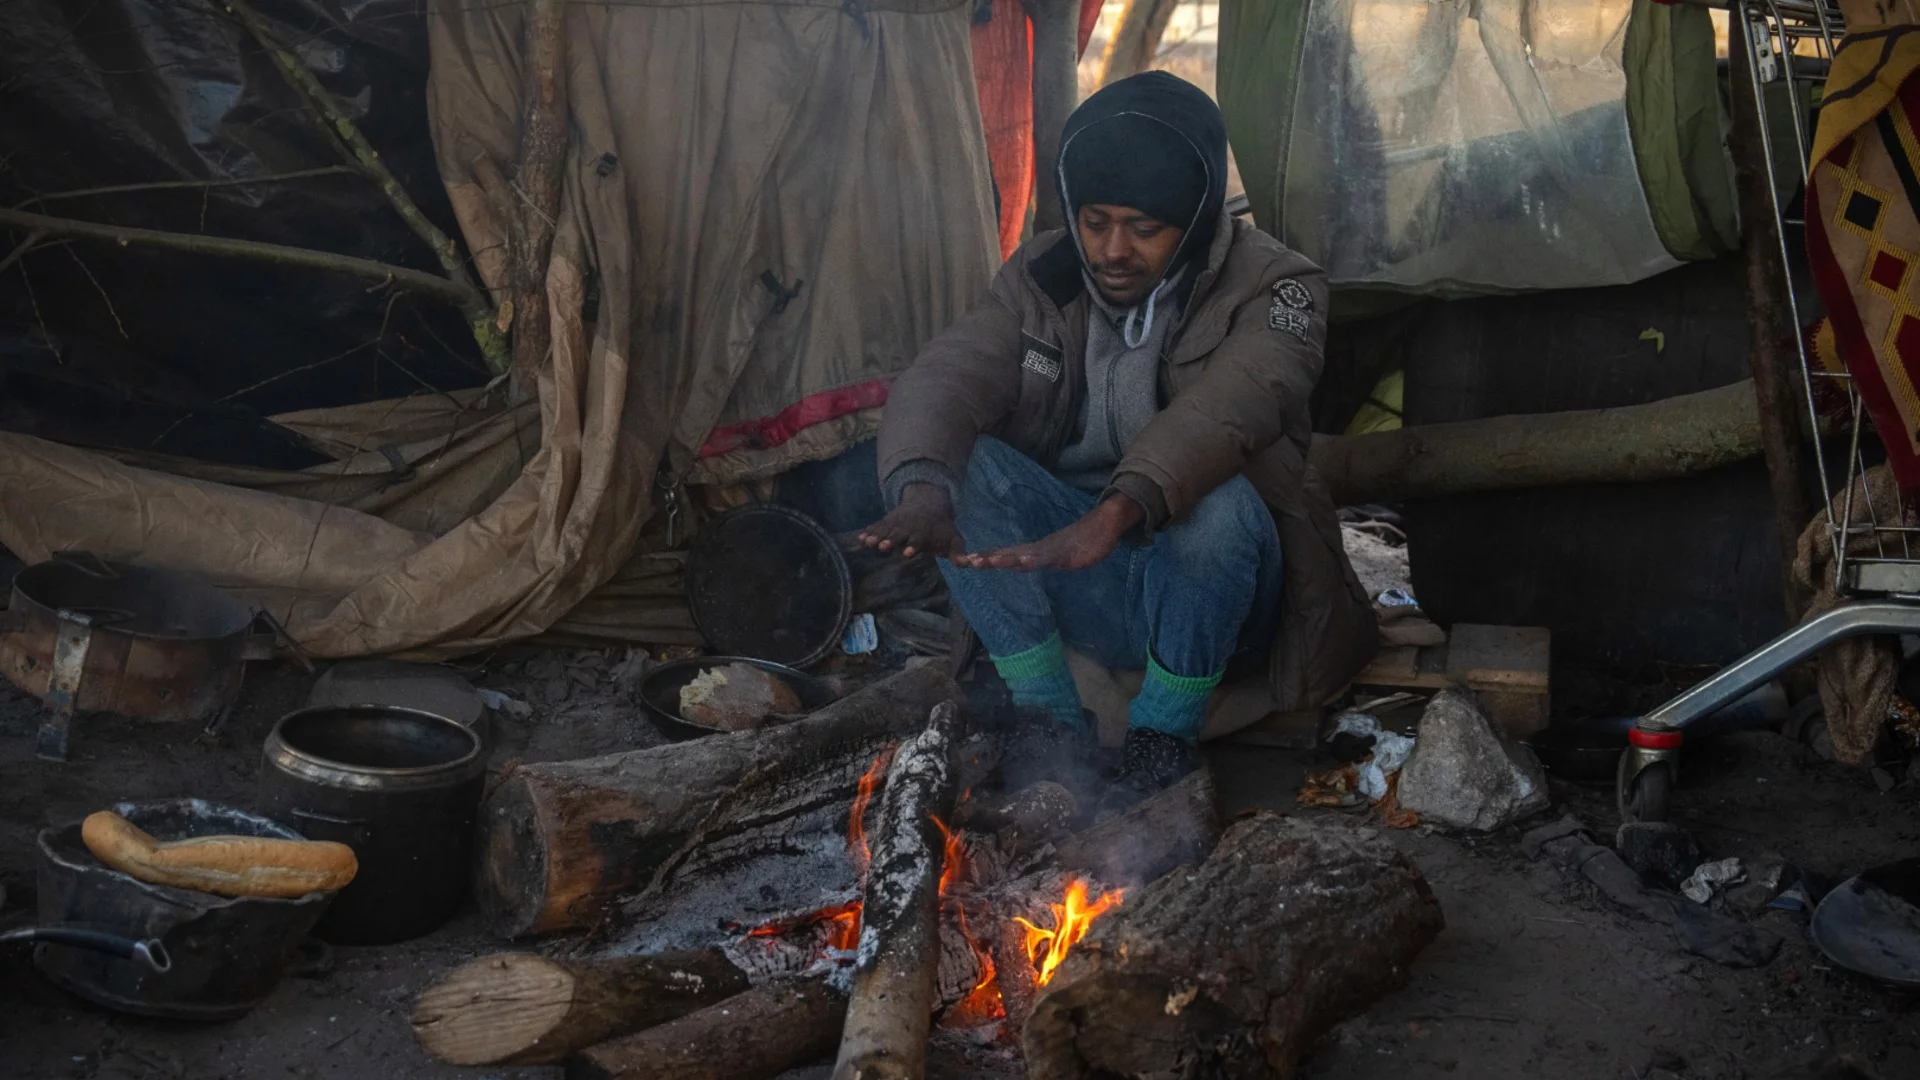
{"x":1875,"y":552}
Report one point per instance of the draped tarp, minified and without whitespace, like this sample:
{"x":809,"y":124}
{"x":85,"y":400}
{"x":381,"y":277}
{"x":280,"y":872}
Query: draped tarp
{"x":835,"y":150}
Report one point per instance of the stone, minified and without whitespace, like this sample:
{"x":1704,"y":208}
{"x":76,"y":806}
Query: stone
{"x":1467,"y":774}
{"x":1766,"y":875}
{"x":1663,"y":853}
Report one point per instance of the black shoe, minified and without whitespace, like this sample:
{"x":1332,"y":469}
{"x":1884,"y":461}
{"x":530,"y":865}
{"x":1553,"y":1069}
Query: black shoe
{"x":1152,"y":762}
{"x":1040,"y":747}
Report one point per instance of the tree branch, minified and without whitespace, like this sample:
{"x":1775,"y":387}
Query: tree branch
{"x":536,"y":180}
{"x":361,"y":155}
{"x":1136,"y":39}
{"x":163,"y":185}
{"x":32,"y":241}
{"x":413,"y":280}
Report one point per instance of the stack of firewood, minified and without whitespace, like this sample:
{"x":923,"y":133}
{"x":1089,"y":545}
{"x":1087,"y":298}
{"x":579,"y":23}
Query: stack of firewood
{"x":1227,"y":952}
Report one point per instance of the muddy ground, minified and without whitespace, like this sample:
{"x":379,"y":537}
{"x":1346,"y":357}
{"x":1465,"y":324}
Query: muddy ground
{"x":1534,"y":975}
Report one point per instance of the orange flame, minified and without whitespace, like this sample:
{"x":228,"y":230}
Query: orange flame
{"x":857,"y":822}
{"x":1046,"y":948}
{"x":843,"y":934}
{"x":953,"y":855}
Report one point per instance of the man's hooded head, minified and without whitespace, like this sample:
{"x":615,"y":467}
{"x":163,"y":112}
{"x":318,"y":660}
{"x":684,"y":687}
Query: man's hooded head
{"x":1154,"y":144}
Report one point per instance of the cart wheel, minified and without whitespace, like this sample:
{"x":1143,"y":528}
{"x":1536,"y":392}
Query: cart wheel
{"x":1644,"y":796}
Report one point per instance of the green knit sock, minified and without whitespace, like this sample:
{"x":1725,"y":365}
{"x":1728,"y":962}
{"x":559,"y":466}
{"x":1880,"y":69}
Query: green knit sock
{"x":1175,"y":705}
{"x":1039,"y":679}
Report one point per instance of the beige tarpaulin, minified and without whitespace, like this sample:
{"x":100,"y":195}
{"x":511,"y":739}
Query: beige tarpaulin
{"x":832,"y":149}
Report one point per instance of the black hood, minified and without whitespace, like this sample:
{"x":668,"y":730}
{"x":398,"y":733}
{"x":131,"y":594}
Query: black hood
{"x":1141,"y":126}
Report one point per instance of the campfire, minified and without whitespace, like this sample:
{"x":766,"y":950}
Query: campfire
{"x":853,"y":886}
{"x":827,"y":938}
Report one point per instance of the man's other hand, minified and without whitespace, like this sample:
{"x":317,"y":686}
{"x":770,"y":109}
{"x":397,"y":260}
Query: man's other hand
{"x":1078,"y":546}
{"x":923,"y":522}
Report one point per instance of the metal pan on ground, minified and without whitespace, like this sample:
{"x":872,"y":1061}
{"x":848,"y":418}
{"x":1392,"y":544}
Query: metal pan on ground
{"x":1870,"y":924}
{"x":769,"y":582}
{"x":218,"y":956}
{"x":660,"y":691}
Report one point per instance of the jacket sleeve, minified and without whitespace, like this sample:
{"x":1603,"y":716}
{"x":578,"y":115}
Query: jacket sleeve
{"x":1257,"y":380}
{"x":963,"y":383}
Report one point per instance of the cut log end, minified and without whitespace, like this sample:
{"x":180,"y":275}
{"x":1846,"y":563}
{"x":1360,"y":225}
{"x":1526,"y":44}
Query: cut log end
{"x":492,"y":1009}
{"x":522,"y":1009}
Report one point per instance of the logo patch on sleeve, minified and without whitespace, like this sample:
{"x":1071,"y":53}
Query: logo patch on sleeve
{"x":1040,"y":358}
{"x":1287,"y":320}
{"x":1288,"y":292}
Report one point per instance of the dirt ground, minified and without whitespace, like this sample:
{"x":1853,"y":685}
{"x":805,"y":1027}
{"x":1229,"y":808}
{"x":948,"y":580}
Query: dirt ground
{"x":1533,"y":976}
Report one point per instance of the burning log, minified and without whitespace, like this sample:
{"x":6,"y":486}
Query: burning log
{"x":561,"y":840}
{"x":891,"y":1007}
{"x":522,"y":1009}
{"x":1177,"y":826}
{"x":1235,"y":968}
{"x":1035,"y":813}
{"x":752,"y":1036}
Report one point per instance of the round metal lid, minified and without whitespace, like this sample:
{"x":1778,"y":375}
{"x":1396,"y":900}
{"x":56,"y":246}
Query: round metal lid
{"x":768,"y":582}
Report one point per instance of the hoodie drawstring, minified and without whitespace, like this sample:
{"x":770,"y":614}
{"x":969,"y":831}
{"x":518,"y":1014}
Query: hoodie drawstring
{"x":1127,"y":328}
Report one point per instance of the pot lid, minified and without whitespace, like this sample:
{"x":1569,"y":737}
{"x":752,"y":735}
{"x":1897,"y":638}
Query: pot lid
{"x":768,"y":582}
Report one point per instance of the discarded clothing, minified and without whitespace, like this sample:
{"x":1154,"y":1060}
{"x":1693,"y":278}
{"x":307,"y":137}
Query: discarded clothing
{"x":1857,"y":674}
{"x":1699,"y":930}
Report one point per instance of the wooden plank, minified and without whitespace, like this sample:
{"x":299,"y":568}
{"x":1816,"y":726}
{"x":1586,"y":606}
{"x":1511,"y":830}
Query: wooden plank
{"x":1500,"y":657}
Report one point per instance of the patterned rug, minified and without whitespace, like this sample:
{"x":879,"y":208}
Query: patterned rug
{"x":1863,"y":235}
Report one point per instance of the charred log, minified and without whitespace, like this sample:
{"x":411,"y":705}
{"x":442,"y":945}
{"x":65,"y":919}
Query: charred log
{"x":561,"y":840}
{"x":890,"y":1010}
{"x":751,"y":1036}
{"x":1235,"y":968}
{"x":522,"y":1009}
{"x":1178,"y":825}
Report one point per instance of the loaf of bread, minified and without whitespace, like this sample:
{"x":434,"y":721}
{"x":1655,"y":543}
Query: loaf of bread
{"x":222,"y":865}
{"x":737,"y":697}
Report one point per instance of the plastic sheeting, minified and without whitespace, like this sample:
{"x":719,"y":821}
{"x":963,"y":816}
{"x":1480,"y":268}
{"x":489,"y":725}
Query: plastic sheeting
{"x":183,"y":353}
{"x":1455,"y":146}
{"x":713,"y":145}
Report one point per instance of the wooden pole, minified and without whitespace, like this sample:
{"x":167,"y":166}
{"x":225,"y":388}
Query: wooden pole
{"x":1674,"y":437}
{"x":1768,"y":305}
{"x":1056,"y":90}
{"x":536,"y":185}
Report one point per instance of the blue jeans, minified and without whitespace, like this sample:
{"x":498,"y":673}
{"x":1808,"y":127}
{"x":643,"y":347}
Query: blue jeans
{"x":1206,"y":589}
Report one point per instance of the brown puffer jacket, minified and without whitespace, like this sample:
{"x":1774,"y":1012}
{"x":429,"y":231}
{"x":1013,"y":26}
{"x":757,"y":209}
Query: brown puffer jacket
{"x":1238,"y":368}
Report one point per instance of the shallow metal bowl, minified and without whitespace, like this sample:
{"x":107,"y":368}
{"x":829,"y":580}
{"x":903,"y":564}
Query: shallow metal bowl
{"x":660,"y":691}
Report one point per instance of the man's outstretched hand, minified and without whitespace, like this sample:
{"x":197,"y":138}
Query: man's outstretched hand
{"x":1078,"y":546}
{"x":923,"y":522}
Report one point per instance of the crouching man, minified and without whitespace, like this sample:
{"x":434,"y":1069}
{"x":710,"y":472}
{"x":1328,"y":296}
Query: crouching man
{"x":1109,"y":452}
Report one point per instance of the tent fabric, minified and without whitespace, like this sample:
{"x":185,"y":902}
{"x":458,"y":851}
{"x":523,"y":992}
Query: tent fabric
{"x":1452,"y":150}
{"x":1258,"y":72}
{"x":833,"y":148}
{"x":1678,"y":127}
{"x":1003,"y":79}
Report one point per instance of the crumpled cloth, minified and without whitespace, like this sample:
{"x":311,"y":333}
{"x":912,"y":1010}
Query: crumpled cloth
{"x":1857,"y":675}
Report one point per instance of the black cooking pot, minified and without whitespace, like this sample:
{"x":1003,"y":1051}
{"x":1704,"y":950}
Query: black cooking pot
{"x":218,"y":956}
{"x":399,"y":786}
